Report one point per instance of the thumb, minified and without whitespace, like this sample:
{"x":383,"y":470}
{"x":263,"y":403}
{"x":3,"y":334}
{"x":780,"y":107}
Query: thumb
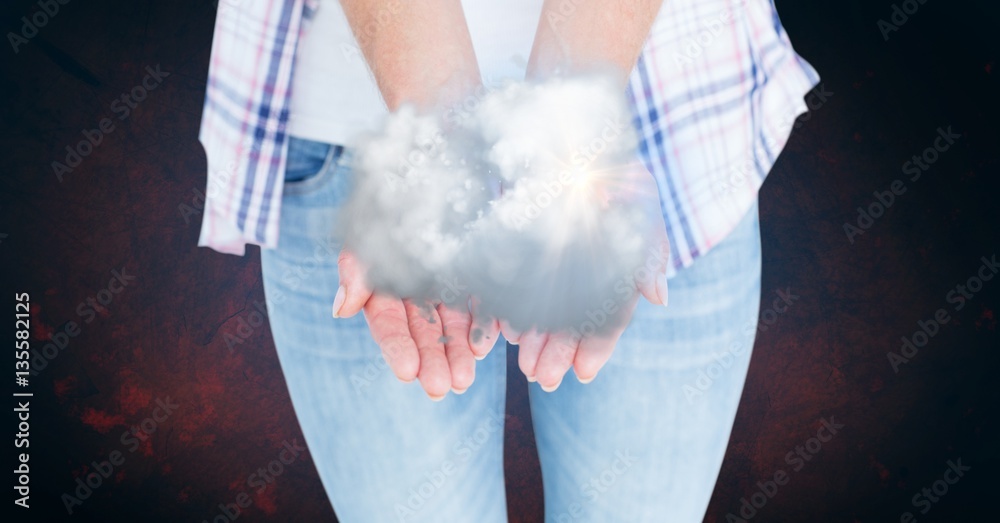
{"x":353,"y":292}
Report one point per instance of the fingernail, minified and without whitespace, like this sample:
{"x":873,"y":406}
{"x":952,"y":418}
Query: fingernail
{"x":588,"y":380}
{"x":531,"y":379}
{"x":547,"y":389}
{"x":436,"y":398}
{"x":338,"y":301}
{"x":509,"y":333}
{"x":478,"y":357}
{"x":459,"y":391}
{"x":661,"y":288}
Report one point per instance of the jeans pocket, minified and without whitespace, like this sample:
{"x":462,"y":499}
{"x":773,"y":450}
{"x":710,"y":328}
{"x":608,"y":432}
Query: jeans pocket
{"x":308,"y":162}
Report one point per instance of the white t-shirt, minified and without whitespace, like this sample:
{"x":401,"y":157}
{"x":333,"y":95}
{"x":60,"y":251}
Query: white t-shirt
{"x":334,"y":96}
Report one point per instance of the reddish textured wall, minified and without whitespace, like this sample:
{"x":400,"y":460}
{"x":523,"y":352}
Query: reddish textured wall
{"x":159,"y":347}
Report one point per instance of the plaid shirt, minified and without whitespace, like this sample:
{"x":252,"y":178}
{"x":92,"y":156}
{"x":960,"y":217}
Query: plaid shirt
{"x":715,"y":94}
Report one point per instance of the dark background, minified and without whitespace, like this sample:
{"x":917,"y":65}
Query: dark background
{"x":164,"y":334}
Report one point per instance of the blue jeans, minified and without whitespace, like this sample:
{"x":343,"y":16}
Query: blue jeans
{"x":643,"y":442}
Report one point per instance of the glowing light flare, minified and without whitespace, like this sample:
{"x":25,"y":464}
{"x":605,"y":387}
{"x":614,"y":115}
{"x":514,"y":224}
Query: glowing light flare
{"x":590,"y":193}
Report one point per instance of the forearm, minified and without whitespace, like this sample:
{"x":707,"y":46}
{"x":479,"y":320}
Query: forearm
{"x":596,"y":36}
{"x":420,"y":52}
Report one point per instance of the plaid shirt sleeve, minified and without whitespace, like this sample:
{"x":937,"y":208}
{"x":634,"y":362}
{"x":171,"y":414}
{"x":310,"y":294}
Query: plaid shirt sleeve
{"x":243,"y":126}
{"x":715,"y":94}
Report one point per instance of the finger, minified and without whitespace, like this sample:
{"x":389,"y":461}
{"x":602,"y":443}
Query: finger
{"x":555,"y":360}
{"x":529,"y":350}
{"x":456,"y":325}
{"x":353,"y":293}
{"x":512,"y":335}
{"x":484,"y":333}
{"x":426,"y":330}
{"x":483,"y":336}
{"x":651,"y":277}
{"x":591,"y":356}
{"x":595,"y":351}
{"x":388,"y":325}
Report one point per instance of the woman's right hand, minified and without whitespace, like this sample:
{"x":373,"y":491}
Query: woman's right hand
{"x":434,"y":343}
